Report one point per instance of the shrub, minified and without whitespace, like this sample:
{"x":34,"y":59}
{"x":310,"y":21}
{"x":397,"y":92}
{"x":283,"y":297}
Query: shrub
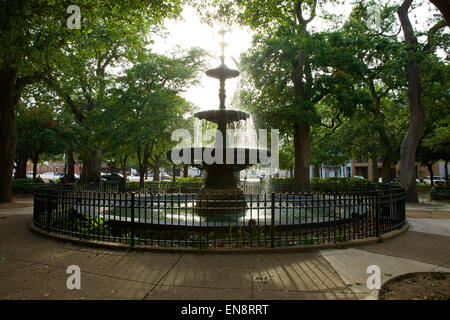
{"x":423,"y":187}
{"x":190,"y":179}
{"x":440,"y":193}
{"x":330,"y":184}
{"x":22,"y":185}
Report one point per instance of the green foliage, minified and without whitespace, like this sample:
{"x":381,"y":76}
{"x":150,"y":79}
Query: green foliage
{"x":440,"y":193}
{"x":38,"y":132}
{"x":331,"y":184}
{"x":190,"y":179}
{"x":148,"y":106}
{"x":20,"y":185}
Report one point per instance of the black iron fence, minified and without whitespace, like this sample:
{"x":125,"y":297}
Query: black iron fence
{"x":182,"y":218}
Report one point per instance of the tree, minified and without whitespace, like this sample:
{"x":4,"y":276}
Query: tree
{"x":38,"y":133}
{"x":293,"y":70}
{"x":33,"y":33}
{"x":380,"y":53}
{"x":83,"y":76}
{"x":417,"y":113}
{"x":149,"y":106}
{"x":434,"y":144}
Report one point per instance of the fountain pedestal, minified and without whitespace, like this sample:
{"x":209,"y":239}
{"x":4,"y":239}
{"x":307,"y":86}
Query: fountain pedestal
{"x":220,"y":201}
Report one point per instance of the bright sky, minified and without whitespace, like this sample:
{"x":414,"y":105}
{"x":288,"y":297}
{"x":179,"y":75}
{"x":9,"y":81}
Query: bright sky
{"x":189,"y":32}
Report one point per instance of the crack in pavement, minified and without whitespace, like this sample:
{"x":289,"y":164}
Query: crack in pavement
{"x":33,"y":263}
{"x":162,"y":278}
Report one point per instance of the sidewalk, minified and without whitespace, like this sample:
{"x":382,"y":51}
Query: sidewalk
{"x":32,"y":267}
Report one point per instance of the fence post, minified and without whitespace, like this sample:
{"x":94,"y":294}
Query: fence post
{"x":377,"y":213}
{"x":272,"y":222}
{"x":132,"y":218}
{"x":49,"y":193}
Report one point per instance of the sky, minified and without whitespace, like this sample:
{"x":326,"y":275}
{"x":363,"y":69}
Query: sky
{"x":190,"y":32}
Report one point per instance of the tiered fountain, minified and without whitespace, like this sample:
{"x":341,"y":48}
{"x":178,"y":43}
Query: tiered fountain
{"x":222,"y":178}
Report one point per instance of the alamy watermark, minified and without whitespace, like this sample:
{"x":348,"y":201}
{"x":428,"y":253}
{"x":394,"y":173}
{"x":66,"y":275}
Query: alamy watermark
{"x":373,"y":17}
{"x":74,"y":20}
{"x":74,"y":280}
{"x":374,"y":280}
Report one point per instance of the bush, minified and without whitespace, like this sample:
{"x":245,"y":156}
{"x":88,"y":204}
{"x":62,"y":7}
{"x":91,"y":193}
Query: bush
{"x":440,"y":193}
{"x":330,"y":184}
{"x":190,"y":179}
{"x":423,"y":187}
{"x":23,"y":185}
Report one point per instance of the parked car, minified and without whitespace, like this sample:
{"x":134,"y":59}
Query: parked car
{"x":438,"y":180}
{"x":114,"y":177}
{"x":164,"y":176}
{"x":359,"y":177}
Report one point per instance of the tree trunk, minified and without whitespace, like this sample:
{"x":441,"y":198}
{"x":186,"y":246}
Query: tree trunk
{"x":21,"y":169}
{"x":123,"y":163}
{"x":35,"y":163}
{"x":70,"y":174}
{"x":7,"y":131}
{"x":386,"y":168}
{"x":185,"y":170}
{"x":374,"y":167}
{"x":142,"y":173}
{"x":302,"y":145}
{"x":430,"y":170}
{"x":92,"y":165}
{"x":446,"y":172}
{"x":316,"y":171}
{"x":417,"y":112}
{"x":156,"y":173}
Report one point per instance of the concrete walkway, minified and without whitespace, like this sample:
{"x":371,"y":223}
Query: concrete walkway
{"x":32,"y":267}
{"x":433,"y":226}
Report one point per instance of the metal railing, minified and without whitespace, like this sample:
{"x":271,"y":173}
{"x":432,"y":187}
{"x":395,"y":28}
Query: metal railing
{"x":176,"y":219}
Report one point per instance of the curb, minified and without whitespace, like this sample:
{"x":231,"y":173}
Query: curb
{"x":292,"y":249}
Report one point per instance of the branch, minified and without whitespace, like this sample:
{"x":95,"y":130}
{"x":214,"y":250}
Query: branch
{"x":328,"y":134}
{"x":430,"y":34}
{"x":408,"y":30}
{"x":22,"y":82}
{"x":75,"y":110}
{"x":313,"y":12}
{"x":336,"y":117}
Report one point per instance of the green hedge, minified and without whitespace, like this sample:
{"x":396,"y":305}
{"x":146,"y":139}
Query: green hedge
{"x":23,"y":185}
{"x":331,"y":184}
{"x":423,"y":187}
{"x":440,"y":193}
{"x":190,"y":179}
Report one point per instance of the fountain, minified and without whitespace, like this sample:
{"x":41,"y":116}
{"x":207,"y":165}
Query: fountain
{"x":221,"y":184}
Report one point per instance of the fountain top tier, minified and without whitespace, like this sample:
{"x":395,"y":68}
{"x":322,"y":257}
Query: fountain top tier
{"x":222,"y":73}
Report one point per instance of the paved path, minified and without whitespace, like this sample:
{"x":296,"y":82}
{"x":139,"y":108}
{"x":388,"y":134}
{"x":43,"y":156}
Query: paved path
{"x":433,"y":226}
{"x":32,"y":267}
